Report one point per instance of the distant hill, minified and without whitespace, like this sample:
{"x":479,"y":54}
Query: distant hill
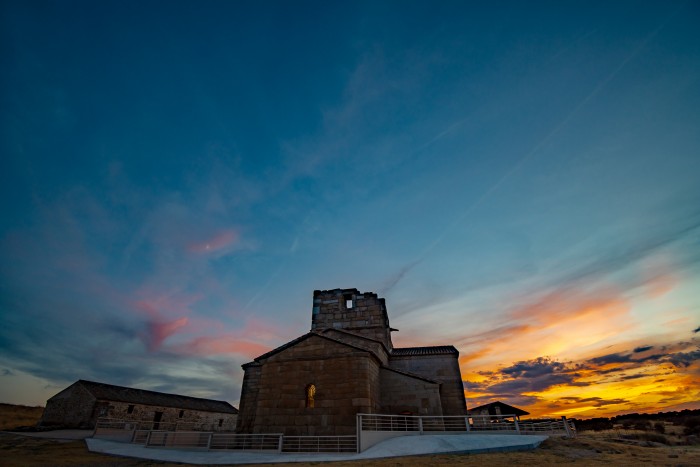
{"x":14,"y":416}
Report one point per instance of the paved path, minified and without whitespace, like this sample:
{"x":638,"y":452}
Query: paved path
{"x":401,"y":446}
{"x":55,"y":434}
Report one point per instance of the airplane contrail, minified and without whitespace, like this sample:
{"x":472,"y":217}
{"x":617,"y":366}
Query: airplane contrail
{"x":529,"y":155}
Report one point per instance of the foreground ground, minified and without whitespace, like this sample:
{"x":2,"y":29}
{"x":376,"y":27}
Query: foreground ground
{"x":20,"y":450}
{"x":588,"y":449}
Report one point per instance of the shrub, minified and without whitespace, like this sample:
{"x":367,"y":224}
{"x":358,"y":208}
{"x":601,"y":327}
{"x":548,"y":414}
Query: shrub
{"x":642,"y":425}
{"x":659,"y":427}
{"x":692,"y":426}
{"x":652,"y":437}
{"x":595,"y":424}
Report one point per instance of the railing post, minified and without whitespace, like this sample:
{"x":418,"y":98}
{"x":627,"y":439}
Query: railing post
{"x":148,"y":438}
{"x":358,"y":421}
{"x":420,"y":425}
{"x":466,"y":422}
{"x":517,"y":427}
{"x":279,"y":443}
{"x":211,"y":435}
{"x":569,"y":434}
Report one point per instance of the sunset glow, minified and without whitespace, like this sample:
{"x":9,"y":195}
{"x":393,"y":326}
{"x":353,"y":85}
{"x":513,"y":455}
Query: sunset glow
{"x":517,"y":179}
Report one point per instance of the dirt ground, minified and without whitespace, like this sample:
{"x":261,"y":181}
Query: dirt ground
{"x":17,"y":450}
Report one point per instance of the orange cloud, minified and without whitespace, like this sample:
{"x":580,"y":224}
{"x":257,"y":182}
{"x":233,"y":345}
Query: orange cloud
{"x":563,"y":323}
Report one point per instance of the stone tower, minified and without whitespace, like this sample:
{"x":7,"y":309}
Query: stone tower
{"x":350,"y":310}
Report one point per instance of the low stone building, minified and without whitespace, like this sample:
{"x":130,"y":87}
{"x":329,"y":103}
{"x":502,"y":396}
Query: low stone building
{"x":83,"y":402}
{"x":346,"y":364}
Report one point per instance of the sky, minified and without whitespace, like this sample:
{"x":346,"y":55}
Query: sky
{"x":518,"y":179}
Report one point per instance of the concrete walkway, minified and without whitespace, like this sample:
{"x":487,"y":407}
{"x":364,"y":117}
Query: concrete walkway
{"x":65,"y":435}
{"x":401,"y":446}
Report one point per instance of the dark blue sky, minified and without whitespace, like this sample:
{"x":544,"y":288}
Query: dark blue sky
{"x":178,"y":177}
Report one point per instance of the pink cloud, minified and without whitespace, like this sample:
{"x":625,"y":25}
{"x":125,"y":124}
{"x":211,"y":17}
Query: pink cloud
{"x":223,"y":344}
{"x":216,"y":243}
{"x":159,"y":331}
{"x":156,"y":305}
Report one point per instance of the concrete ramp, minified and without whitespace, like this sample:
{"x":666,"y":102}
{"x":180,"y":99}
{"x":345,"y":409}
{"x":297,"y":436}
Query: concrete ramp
{"x":401,"y":446}
{"x":439,"y":444}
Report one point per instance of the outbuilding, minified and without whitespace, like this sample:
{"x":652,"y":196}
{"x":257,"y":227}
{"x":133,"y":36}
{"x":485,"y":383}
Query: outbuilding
{"x":498,"y":408}
{"x":82,"y":403}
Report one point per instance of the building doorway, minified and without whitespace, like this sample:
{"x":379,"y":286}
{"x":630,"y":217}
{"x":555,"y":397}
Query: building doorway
{"x":156,"y":420}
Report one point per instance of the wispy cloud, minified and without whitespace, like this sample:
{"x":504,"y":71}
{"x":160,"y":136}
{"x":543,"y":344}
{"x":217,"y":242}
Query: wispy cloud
{"x":220,"y":241}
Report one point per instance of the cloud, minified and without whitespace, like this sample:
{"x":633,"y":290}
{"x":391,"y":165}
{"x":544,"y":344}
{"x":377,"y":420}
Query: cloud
{"x":678,"y":359}
{"x":534,"y":368}
{"x":684,"y":359}
{"x":597,"y":401}
{"x":224,"y":344}
{"x":392,"y":281}
{"x":607,"y":380}
{"x":536,"y":384}
{"x":527,"y":376}
{"x":159,"y":331}
{"x":221,"y":241}
{"x":610,"y":358}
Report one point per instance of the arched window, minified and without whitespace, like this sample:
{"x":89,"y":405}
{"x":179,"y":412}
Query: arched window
{"x":310,"y":394}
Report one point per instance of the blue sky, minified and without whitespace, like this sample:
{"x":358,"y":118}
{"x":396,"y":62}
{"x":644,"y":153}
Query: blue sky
{"x":521,"y":180}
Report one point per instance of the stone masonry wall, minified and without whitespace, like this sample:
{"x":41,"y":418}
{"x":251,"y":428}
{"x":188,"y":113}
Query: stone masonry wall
{"x":184,"y":419}
{"x":345,"y":381}
{"x":349,"y":309}
{"x":249,"y":398}
{"x":378,"y":349}
{"x":441,"y":368}
{"x":401,"y":394}
{"x":73,"y":408}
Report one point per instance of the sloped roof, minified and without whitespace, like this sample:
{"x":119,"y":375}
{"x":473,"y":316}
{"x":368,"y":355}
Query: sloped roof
{"x":352,"y":334}
{"x":299,"y":339}
{"x":411,"y":375}
{"x":505,"y":409}
{"x":434,"y":350}
{"x":109,"y":392}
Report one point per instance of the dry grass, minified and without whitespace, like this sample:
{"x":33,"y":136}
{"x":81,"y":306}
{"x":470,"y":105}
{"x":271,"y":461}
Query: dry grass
{"x":14,"y":416}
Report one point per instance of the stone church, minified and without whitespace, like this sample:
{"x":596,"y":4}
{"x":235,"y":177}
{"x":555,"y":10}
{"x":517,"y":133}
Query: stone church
{"x":317,"y":383}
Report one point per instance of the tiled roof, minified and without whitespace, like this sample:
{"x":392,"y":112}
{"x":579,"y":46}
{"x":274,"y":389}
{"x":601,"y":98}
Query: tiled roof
{"x":109,"y":392}
{"x":435,"y":350}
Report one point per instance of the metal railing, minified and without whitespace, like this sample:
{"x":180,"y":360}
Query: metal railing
{"x":552,"y":426}
{"x":371,"y":428}
{"x":346,"y":443}
{"x":246,"y":442}
{"x":469,"y":423}
{"x":140,"y":437}
{"x":179,"y":439}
